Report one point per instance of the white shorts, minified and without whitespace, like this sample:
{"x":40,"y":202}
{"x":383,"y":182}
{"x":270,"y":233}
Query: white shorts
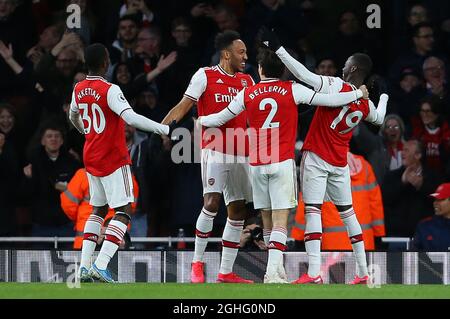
{"x":320,"y":180}
{"x":226,"y":174}
{"x":116,"y":189}
{"x":274,"y":185}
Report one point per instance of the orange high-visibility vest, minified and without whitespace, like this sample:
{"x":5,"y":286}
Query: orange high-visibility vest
{"x":75,"y":203}
{"x":368,"y":206}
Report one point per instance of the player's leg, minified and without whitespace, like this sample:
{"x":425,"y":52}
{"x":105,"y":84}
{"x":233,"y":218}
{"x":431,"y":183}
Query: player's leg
{"x":277,"y":246}
{"x":339,"y":190}
{"x":236,"y":193}
{"x":313,"y":181}
{"x":119,"y":193}
{"x":283,"y":197}
{"x":93,"y":225}
{"x":213,"y":177}
{"x":261,"y":198}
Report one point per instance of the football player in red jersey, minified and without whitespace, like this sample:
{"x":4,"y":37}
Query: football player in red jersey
{"x":271,"y":107}
{"x":224,"y":160}
{"x":324,"y":169}
{"x":99,"y":110}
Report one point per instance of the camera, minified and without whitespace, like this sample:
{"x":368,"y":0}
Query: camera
{"x":257,"y":233}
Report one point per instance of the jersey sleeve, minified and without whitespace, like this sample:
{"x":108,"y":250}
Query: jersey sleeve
{"x":197,"y":85}
{"x":116,"y":100}
{"x":303,"y":95}
{"x":376,"y":114}
{"x":330,"y":84}
{"x":73,"y":104}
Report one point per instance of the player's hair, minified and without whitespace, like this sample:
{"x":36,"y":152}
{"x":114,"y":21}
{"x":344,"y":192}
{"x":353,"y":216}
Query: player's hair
{"x":95,"y":56}
{"x":225,"y":39}
{"x":363,"y":63}
{"x":271,"y":65}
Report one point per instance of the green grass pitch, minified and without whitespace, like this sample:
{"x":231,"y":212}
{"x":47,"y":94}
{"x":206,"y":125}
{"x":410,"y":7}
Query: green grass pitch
{"x":219,"y":291}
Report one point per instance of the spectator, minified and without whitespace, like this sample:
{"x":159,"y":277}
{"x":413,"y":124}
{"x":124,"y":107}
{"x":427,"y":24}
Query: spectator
{"x":187,"y":59}
{"x":349,"y":38}
{"x":433,"y":233}
{"x":423,"y":44}
{"x":147,"y":104}
{"x":124,"y":46}
{"x":139,"y":8}
{"x":15,"y":137}
{"x":47,"y":175}
{"x":9,"y":175}
{"x":56,"y":70}
{"x":326,"y":66}
{"x":16,"y":31}
{"x":406,"y":95}
{"x":434,"y":133}
{"x":47,"y":41}
{"x":436,"y":83}
{"x":383,"y":150}
{"x":405,"y":192}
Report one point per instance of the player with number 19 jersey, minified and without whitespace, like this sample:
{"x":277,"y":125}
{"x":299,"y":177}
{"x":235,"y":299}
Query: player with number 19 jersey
{"x":331,"y":128}
{"x":101,"y":104}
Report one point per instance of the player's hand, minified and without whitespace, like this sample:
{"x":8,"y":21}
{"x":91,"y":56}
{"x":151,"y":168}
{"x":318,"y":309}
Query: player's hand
{"x":269,"y":39}
{"x":173,"y":126}
{"x":365,"y":92}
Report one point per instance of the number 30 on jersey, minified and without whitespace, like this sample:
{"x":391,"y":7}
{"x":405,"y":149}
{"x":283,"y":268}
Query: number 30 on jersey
{"x":94,"y":118}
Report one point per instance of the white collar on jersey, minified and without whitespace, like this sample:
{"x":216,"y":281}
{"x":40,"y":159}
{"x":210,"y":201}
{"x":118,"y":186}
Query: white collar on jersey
{"x":266,"y":80}
{"x":221,"y":70}
{"x":94,"y":77}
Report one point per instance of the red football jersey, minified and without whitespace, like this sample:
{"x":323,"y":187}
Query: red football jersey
{"x":100,"y":104}
{"x":213,"y":89}
{"x":273,"y":118}
{"x":435,"y":141}
{"x":332,"y":128}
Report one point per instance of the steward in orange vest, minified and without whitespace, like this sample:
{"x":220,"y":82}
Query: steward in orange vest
{"x":367,"y":203}
{"x":75,"y":203}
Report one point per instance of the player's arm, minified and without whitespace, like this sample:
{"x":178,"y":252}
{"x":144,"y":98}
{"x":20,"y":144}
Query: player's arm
{"x":179,"y":110}
{"x":195,"y":89}
{"x":233,"y":109}
{"x":74,"y":115}
{"x":376,"y":115}
{"x":303,"y":95}
{"x":119,"y":105}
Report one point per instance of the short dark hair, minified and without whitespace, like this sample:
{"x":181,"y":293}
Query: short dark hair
{"x":225,"y":39}
{"x":271,"y":65}
{"x":418,"y":26}
{"x":363,"y":62}
{"x":95,"y":56}
{"x":434,"y":102}
{"x":130,"y":17}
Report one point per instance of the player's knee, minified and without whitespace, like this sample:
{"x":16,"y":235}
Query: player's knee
{"x":211,"y":202}
{"x":100,"y":211}
{"x":343,"y":208}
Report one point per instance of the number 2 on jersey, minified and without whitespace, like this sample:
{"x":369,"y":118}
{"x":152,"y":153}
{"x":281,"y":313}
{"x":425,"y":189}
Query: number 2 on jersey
{"x":349,"y":119}
{"x":98,"y":118}
{"x":274,"y":108}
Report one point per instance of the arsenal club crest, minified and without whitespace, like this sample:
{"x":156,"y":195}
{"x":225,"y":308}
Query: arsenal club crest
{"x":244,"y":83}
